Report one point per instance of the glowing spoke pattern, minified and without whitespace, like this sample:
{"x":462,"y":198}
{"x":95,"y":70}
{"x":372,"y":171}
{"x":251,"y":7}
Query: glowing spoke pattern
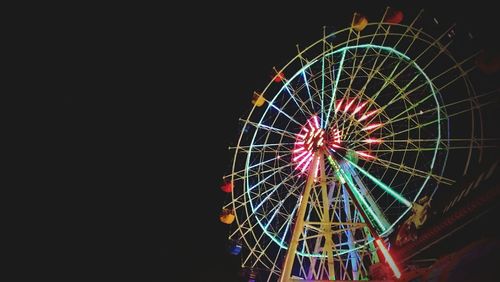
{"x":379,"y":183}
{"x":310,"y":138}
{"x":365,"y":122}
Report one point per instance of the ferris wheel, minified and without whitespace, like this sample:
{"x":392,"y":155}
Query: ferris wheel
{"x":348,"y":139}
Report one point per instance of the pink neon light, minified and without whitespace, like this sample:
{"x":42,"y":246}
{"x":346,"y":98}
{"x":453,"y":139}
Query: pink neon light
{"x":316,"y":121}
{"x":299,"y":165}
{"x":358,"y":108}
{"x":365,"y":155}
{"x":299,"y":156}
{"x":372,"y":141}
{"x":349,"y":105}
{"x":307,"y":164}
{"x":298,"y":150}
{"x":388,"y":258}
{"x":304,"y":160}
{"x":311,"y":137}
{"x":372,"y":126}
{"x":367,"y":115}
{"x":339,"y":104}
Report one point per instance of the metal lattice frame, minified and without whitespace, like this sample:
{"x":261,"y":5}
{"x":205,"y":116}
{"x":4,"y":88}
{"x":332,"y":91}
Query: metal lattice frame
{"x":387,"y":91}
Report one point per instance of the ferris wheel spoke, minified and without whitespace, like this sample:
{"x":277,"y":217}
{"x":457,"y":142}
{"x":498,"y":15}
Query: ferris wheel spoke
{"x":430,"y":149}
{"x":261,"y":171}
{"x":240,"y":173}
{"x":271,"y":191}
{"x":264,"y":145}
{"x":380,"y":184}
{"x":303,"y":73}
{"x":408,"y":30}
{"x":334,"y":89}
{"x":322,"y":118}
{"x":411,"y":170}
{"x":281,"y":151}
{"x":416,"y":127}
{"x":273,"y":129}
{"x":393,"y":76}
{"x":370,"y":76}
{"x":359,"y":66}
{"x":368,"y":111}
{"x":258,"y":222}
{"x":275,"y":171}
{"x":432,"y":94}
{"x":285,"y":225}
{"x":294,"y":94}
{"x":302,"y":105}
{"x":285,"y":114}
{"x":375,"y":217}
{"x":291,"y":191}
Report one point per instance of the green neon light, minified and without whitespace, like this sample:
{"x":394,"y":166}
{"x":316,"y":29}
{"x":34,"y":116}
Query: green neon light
{"x":364,"y":205}
{"x":379,"y":183}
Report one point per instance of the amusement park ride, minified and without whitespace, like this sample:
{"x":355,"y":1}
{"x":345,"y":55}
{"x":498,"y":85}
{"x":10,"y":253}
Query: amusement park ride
{"x":340,"y":158}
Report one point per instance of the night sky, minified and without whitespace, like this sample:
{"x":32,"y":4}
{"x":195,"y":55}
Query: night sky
{"x":174,"y":92}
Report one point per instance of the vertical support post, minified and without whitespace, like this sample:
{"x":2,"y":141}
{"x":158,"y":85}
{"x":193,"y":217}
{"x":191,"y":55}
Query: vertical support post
{"x":299,"y":222}
{"x":326,"y":226}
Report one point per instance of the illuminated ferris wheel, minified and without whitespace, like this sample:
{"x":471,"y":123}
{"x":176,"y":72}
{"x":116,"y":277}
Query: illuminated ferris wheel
{"x":348,"y":139}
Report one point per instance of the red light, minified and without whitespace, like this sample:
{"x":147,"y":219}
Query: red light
{"x":348,"y":106}
{"x":365,"y":155}
{"x":372,"y":141}
{"x":227,"y":187}
{"x":279,"y":77}
{"x":372,"y":126}
{"x":367,"y":115}
{"x":388,"y":258}
{"x":308,"y":140}
{"x":358,"y":108}
{"x":339,"y":104}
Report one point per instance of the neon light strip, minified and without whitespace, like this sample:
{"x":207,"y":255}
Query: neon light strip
{"x":367,"y":115}
{"x":348,"y":105}
{"x":356,"y":193}
{"x":304,"y":159}
{"x":388,"y":258}
{"x":335,"y":86}
{"x":307,"y":164}
{"x":372,"y":140}
{"x":298,"y":150}
{"x":379,"y":183}
{"x":358,"y":108}
{"x":316,"y":121}
{"x":363,"y":154}
{"x":300,"y":155}
{"x":372,"y":126}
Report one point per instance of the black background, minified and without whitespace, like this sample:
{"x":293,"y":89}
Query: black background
{"x":155,"y":104}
